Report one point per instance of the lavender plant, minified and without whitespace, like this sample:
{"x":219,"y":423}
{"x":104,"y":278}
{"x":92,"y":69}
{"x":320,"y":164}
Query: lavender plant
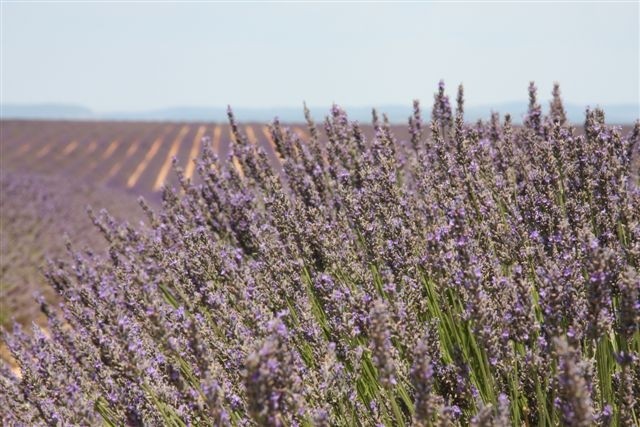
{"x":475,"y":275}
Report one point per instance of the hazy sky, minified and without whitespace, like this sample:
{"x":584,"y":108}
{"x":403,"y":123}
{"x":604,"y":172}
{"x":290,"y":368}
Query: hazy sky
{"x":135,"y":56}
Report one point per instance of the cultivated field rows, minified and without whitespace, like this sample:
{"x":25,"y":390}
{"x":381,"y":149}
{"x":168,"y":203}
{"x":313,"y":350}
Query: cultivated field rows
{"x":132,"y":156}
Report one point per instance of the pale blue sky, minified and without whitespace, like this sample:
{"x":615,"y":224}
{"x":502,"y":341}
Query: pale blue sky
{"x":136,"y":56}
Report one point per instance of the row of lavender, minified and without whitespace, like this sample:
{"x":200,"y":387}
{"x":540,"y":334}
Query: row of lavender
{"x":478,"y":275}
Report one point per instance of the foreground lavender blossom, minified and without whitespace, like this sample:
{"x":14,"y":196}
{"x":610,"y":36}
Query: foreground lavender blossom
{"x":481,"y":275}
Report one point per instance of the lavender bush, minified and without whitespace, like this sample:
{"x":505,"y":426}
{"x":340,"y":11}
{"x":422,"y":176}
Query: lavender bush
{"x":474,"y":275}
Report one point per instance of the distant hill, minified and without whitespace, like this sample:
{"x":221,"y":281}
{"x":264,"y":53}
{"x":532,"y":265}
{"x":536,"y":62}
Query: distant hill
{"x":616,"y":113}
{"x":45,"y":111}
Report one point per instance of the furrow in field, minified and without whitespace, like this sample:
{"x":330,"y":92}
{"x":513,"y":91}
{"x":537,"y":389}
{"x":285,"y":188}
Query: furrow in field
{"x":117,"y":166}
{"x":215,"y":143}
{"x":150,"y":174}
{"x":44,"y":143}
{"x":70,"y":148}
{"x":195,"y":151}
{"x":110,"y":149}
{"x":143,"y":135}
{"x":59,"y":156}
{"x":135,"y":176}
{"x":118,"y":142}
{"x":20,"y":152}
{"x":269,"y":139}
{"x":14,"y":140}
{"x":83,"y":158}
{"x":251,"y":135}
{"x":91,"y":148}
{"x":95,"y":161}
{"x":44,"y":150}
{"x":166,"y":165}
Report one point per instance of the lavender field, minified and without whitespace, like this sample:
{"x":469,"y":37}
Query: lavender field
{"x":131,"y":156}
{"x":448,"y":274}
